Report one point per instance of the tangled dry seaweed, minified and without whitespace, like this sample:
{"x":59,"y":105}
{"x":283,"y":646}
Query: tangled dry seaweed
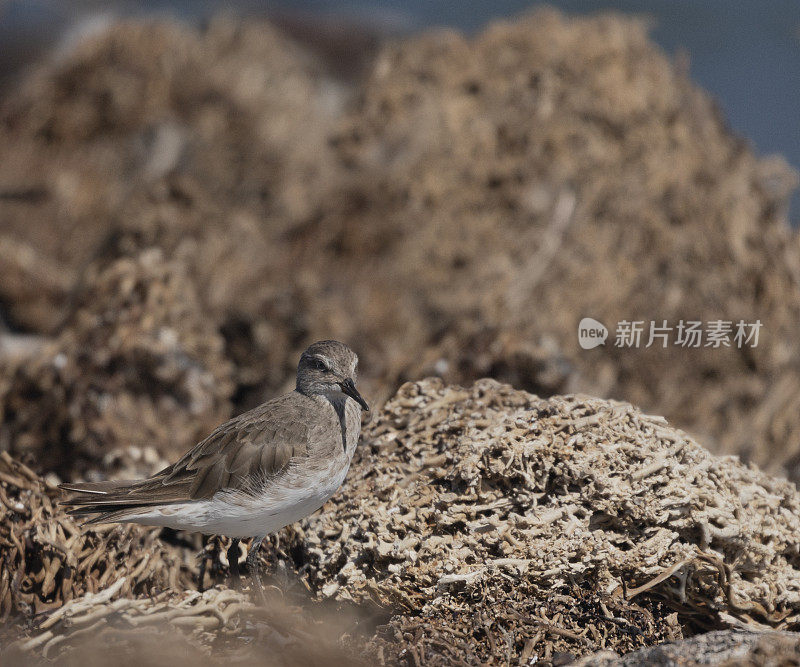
{"x":550,"y":169}
{"x":136,"y":363}
{"x":484,"y":192}
{"x":188,"y":626}
{"x":127,"y":588}
{"x":498,"y":526}
{"x":182,"y":210}
{"x":741,"y":648}
{"x":492,"y":512}
{"x":46,"y":560}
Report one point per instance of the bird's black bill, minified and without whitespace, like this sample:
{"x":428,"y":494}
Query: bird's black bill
{"x":349,"y":388}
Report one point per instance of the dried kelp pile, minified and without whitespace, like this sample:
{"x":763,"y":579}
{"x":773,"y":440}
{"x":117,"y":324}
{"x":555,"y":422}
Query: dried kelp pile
{"x":136,"y":363}
{"x":152,"y":294}
{"x":90,"y":614}
{"x":485,"y":192}
{"x":728,"y":648}
{"x":487,"y":523}
{"x":73,"y":594}
{"x":500,"y":524}
{"x":183,"y":627}
{"x":184,"y":209}
{"x":550,"y":169}
{"x":46,"y":560}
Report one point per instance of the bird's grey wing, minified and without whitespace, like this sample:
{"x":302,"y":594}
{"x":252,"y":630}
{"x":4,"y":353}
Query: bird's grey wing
{"x":256,"y":445}
{"x":262,"y":442}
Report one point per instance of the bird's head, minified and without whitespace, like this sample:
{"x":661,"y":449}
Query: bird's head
{"x":328,"y":368}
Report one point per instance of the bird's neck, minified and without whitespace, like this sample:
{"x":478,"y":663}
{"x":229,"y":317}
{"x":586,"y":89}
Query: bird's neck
{"x":348,"y":413}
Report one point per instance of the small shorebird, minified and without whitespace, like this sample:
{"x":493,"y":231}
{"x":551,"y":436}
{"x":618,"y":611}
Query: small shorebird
{"x":256,"y":473}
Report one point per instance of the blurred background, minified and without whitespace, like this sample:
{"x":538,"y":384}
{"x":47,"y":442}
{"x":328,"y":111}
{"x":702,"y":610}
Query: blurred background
{"x":746,"y":54}
{"x":190,"y":193}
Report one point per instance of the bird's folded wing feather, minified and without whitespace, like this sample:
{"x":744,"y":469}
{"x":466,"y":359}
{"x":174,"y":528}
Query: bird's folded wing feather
{"x":256,"y":445}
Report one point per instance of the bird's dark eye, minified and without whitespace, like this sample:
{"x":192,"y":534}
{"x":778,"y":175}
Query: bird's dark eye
{"x":320,"y":365}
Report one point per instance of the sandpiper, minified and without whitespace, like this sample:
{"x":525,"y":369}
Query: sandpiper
{"x":257,"y":472}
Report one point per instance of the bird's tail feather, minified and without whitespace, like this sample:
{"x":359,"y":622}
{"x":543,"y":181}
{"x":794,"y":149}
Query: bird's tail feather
{"x":107,"y":501}
{"x":95,"y":488}
{"x":122,"y":501}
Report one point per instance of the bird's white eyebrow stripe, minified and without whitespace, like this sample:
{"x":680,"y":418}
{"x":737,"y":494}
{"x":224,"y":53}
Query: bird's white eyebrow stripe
{"x":325,"y":360}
